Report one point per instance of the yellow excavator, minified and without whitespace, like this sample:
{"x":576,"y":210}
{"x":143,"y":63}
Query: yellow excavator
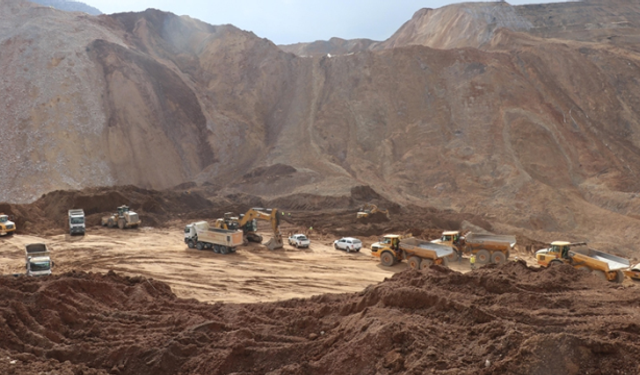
{"x":247,"y":222}
{"x":370,"y":209}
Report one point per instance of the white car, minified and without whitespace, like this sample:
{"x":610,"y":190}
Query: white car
{"x":299,"y":240}
{"x":348,"y":244}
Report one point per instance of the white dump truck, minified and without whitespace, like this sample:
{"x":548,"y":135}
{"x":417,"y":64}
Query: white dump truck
{"x":201,"y":236}
{"x":76,"y":222}
{"x":38,"y":260}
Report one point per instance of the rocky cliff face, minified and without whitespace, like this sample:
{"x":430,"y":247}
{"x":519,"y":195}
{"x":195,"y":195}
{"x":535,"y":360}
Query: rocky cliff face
{"x":527,"y":115}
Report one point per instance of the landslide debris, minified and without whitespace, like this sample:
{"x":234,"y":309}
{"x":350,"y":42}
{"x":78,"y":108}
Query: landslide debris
{"x":508,"y":319}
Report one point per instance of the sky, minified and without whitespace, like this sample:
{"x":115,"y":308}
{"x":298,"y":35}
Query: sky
{"x":294,"y":21}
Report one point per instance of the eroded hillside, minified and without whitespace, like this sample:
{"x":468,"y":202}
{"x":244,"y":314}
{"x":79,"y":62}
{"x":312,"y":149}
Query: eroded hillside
{"x":532,"y":124}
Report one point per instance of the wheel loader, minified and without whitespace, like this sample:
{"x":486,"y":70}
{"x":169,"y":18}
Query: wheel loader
{"x":605,"y":266}
{"x":124,"y":218}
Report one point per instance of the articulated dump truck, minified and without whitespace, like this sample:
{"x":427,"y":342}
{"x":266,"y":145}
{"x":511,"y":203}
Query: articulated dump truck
{"x":419,"y":254}
{"x":605,"y":266}
{"x":488,"y":248}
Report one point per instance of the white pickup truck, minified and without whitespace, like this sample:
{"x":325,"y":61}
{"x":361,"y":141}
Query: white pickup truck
{"x":299,"y":240}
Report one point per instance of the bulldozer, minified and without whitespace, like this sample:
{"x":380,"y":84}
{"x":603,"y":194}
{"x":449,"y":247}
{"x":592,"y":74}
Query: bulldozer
{"x":370,"y":209}
{"x":247,"y":222}
{"x":124,"y":218}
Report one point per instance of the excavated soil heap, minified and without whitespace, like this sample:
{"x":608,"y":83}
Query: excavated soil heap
{"x":190,"y":202}
{"x":507,"y":319}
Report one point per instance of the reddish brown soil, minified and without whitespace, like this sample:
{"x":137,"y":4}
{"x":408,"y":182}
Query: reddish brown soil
{"x":497,"y":320}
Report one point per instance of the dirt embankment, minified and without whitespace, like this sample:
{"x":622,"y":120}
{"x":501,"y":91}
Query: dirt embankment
{"x":189,"y":202}
{"x":509,"y":319}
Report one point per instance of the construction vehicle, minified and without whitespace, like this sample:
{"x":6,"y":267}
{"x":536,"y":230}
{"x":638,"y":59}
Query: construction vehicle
{"x":249,"y":226}
{"x":76,"y":222}
{"x":38,"y":260}
{"x":7,"y":226}
{"x":370,"y":209}
{"x":200,"y":235}
{"x":633,"y":272}
{"x":419,"y":254}
{"x":605,"y":266}
{"x":488,"y":248}
{"x":124,"y":218}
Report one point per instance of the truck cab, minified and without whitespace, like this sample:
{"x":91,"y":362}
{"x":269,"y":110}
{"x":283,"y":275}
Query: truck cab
{"x":559,"y":250}
{"x":76,"y":222}
{"x":190,"y":233}
{"x":38,"y":260}
{"x":6,"y":226}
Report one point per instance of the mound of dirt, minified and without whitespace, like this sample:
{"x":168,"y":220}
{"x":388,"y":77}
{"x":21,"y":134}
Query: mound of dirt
{"x":190,"y":202}
{"x":507,"y":319}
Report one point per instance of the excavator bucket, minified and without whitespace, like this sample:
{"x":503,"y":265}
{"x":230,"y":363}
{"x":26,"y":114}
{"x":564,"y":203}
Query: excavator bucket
{"x":274,"y":243}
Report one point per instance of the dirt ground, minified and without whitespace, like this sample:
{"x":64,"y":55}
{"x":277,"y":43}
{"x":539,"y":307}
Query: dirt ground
{"x":252,"y":274}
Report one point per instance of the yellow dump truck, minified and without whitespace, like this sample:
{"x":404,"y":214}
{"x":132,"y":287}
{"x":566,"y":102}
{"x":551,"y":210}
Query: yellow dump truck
{"x":6,"y":226}
{"x":605,"y":266}
{"x":419,"y":254}
{"x":488,"y":248}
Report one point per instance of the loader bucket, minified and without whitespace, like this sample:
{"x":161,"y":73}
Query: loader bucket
{"x":274,"y":243}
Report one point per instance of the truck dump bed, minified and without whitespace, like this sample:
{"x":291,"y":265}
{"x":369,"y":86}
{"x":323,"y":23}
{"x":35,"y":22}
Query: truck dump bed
{"x":490,"y":239}
{"x":226,"y":237}
{"x":613,"y":262}
{"x":425,"y":249}
{"x":36,"y":249}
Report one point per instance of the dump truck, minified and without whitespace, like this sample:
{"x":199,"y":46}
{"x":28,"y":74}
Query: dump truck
{"x":76,"y":222}
{"x":7,"y":226}
{"x":605,"y":266}
{"x":38,"y":260}
{"x":419,"y":254}
{"x":124,"y":218}
{"x":488,"y":248}
{"x":201,"y":236}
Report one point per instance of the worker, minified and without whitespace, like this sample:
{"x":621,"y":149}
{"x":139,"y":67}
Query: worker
{"x":472,"y":261}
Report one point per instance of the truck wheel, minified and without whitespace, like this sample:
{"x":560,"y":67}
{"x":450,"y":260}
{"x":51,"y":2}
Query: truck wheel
{"x":498,"y":257}
{"x":414,"y":262}
{"x":348,"y":250}
{"x":599,"y":274}
{"x":483,"y":257}
{"x":555,"y":262}
{"x":121,"y":223}
{"x":425,"y":263}
{"x":111,"y":223}
{"x":216,"y":249}
{"x":190,"y":244}
{"x":335,"y":246}
{"x":199,"y":245}
{"x":453,"y":256}
{"x":223,"y":250}
{"x":619,"y":277}
{"x":445,"y":262}
{"x":387,"y":259}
